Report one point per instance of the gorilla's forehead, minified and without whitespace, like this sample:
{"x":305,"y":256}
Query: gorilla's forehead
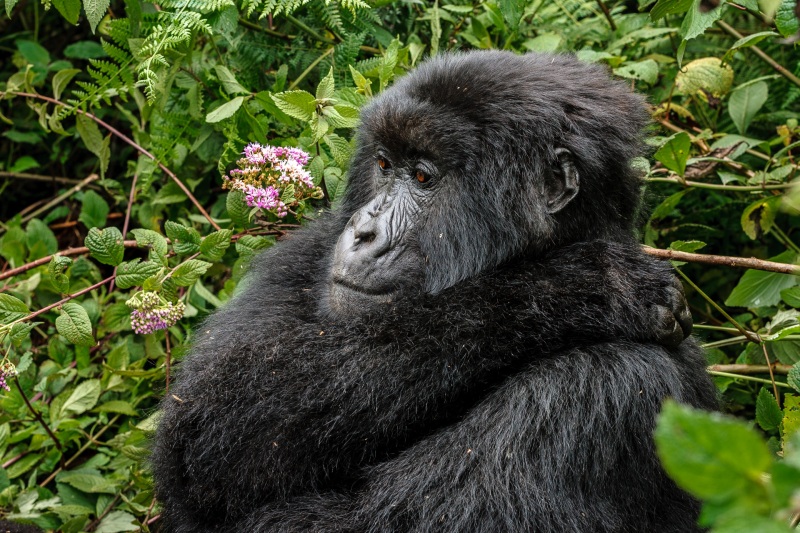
{"x":410,"y":127}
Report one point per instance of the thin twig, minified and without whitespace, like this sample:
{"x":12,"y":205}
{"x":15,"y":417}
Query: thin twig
{"x":723,"y":187}
{"x":311,"y":67}
{"x":725,"y":260}
{"x":58,"y":199}
{"x":607,"y":13}
{"x":127,"y":221}
{"x":751,"y":369}
{"x":129,"y":141}
{"x":79,"y":250}
{"x":38,"y":177}
{"x":760,"y":53}
{"x":63,"y":301}
{"x":747,"y":378}
{"x":771,"y":374}
{"x":82,"y":449}
{"x":751,"y":336}
{"x":38,"y":416}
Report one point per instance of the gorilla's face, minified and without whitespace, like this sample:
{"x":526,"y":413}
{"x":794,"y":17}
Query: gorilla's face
{"x":425,"y":220}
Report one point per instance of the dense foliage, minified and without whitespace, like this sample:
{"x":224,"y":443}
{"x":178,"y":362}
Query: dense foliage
{"x":122,"y":227}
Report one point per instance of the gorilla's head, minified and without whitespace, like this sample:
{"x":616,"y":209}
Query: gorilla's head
{"x":477,"y":158}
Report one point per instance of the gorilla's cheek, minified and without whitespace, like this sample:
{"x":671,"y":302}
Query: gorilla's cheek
{"x":375,"y":256}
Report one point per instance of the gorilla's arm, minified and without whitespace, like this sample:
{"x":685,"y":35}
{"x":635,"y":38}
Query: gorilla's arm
{"x":274,"y":402}
{"x":504,"y":467}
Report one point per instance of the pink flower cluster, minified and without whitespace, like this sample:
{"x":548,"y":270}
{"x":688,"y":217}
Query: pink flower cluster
{"x":7,"y":370}
{"x":151,"y":312}
{"x":266,"y":172}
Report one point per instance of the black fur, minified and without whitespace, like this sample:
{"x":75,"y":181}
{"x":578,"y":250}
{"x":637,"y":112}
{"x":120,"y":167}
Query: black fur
{"x":516,"y":392}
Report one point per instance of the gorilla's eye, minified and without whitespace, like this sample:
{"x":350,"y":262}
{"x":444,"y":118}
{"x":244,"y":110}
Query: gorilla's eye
{"x":384,"y":164}
{"x":422,"y":177}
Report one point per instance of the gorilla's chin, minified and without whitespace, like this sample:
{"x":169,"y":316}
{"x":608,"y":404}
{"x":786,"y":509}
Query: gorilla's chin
{"x":346,"y":298}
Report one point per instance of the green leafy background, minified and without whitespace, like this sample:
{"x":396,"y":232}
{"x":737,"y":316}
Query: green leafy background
{"x":119,"y":119}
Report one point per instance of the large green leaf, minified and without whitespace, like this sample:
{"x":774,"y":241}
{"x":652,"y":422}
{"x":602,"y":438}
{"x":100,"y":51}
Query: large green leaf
{"x":82,"y":398}
{"x":745,"y":102}
{"x":708,"y":454}
{"x":105,"y":245}
{"x":94,"y":210}
{"x":74,"y":324}
{"x":758,"y":288}
{"x":706,"y":74}
{"x":675,"y":152}
{"x":785,"y":19}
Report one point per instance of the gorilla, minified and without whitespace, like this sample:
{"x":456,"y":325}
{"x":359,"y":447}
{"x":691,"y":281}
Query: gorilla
{"x":472,"y":341}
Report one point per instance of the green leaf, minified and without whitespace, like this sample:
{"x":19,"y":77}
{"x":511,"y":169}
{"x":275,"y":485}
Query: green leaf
{"x":705,"y":74}
{"x":758,"y":217}
{"x":94,"y":141}
{"x":207,"y":295}
{"x":55,"y":269}
{"x":769,"y":8}
{"x":133,"y":273}
{"x":228,"y":81}
{"x":10,"y":7}
{"x":512,"y":12}
{"x":697,"y":21}
{"x":95,"y":11}
{"x":74,"y":324}
{"x":546,"y":42}
{"x":83,"y":398}
{"x":745,"y":102}
{"x":325,"y":87}
{"x":85,"y":50}
{"x":226,"y":110}
{"x":249,"y":245}
{"x":12,"y":308}
{"x":152,"y":240}
{"x":768,"y":414}
{"x":363,"y":84}
{"x":238,"y":209}
{"x":436,"y":28}
{"x":752,"y":39}
{"x":20,"y":332}
{"x":685,"y":246}
{"x":69,"y":9}
{"x":708,"y":454}
{"x":646,"y":71}
{"x":87,"y":480}
{"x":785,"y":19}
{"x":185,"y":240}
{"x":760,"y":289}
{"x":117,"y":521}
{"x":94,"y":210}
{"x":791,"y":296}
{"x":298,"y":104}
{"x":189,"y":271}
{"x":117,"y":406}
{"x":669,"y":7}
{"x":62,"y":78}
{"x":214,"y":245}
{"x":41,"y":241}
{"x":793,"y":379}
{"x":105,"y":245}
{"x":341,"y":116}
{"x":675,"y":152}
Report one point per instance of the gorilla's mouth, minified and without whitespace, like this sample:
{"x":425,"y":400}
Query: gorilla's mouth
{"x":338,"y":282}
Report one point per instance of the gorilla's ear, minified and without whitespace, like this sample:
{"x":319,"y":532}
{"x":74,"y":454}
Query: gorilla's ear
{"x":561,"y":183}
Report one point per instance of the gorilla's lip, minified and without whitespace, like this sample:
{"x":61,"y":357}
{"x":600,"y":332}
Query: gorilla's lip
{"x":367,"y":291}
